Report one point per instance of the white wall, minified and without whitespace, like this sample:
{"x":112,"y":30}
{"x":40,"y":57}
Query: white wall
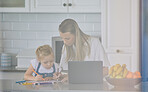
{"x":22,"y":30}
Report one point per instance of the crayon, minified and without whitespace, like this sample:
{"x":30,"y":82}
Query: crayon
{"x":21,"y":81}
{"x":27,"y":83}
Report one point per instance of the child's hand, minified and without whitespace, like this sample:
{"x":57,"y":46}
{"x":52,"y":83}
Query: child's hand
{"x":48,"y":78}
{"x":38,"y":78}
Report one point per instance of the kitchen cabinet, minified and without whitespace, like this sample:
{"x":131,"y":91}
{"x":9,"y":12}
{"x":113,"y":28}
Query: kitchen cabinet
{"x":51,"y":6}
{"x":120,"y":32}
{"x":85,"y":6}
{"x":14,"y":5}
{"x":66,"y":6}
{"x":12,"y":75}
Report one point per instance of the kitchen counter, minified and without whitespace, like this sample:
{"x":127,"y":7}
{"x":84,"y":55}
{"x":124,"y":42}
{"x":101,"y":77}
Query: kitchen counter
{"x":10,"y":85}
{"x":12,"y":69}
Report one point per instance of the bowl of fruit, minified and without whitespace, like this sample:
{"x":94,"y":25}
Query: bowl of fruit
{"x":119,"y":76}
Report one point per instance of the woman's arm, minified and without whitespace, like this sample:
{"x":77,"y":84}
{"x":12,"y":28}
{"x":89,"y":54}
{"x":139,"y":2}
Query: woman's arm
{"x":63,"y":64}
{"x":100,"y":55}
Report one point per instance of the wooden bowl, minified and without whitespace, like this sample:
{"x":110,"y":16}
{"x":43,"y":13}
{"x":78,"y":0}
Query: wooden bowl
{"x":123,"y":82}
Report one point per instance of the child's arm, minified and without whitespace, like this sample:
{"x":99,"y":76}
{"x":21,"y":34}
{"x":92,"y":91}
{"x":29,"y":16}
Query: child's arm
{"x":28,"y":75}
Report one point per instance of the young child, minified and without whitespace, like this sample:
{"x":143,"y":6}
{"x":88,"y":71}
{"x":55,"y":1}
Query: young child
{"x":43,"y":65}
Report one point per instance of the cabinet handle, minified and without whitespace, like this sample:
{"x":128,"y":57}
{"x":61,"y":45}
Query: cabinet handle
{"x":117,"y":51}
{"x":64,"y":4}
{"x":70,"y":4}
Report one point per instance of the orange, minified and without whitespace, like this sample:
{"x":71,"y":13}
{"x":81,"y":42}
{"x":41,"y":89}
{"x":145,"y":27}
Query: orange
{"x":135,"y":76}
{"x":129,"y":75}
{"x":137,"y":73}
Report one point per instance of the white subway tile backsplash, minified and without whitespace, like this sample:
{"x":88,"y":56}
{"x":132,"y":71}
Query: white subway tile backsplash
{"x":28,"y":35}
{"x":77,"y":17}
{"x":51,"y":18}
{"x":20,"y":26}
{"x":97,"y":27}
{"x":11,"y":17}
{"x":20,"y":44}
{"x":43,"y":26}
{"x":96,"y":34}
{"x":86,"y":26}
{"x":37,"y":43}
{"x":28,"y":17}
{"x":11,"y":35}
{"x":43,"y":35}
{"x":9,"y":50}
{"x":7,"y":43}
{"x":6,"y":26}
{"x":93,"y":18}
{"x":56,"y":33}
{"x":26,"y":30}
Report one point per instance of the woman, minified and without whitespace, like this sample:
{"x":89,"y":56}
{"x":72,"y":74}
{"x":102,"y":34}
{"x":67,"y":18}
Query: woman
{"x":79,"y":46}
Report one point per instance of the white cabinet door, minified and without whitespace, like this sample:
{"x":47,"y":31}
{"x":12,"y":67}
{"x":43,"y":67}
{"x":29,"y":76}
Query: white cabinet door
{"x":120,"y":32}
{"x":66,"y":6}
{"x":80,"y":6}
{"x":14,"y":5}
{"x":121,"y":59}
{"x":52,"y":6}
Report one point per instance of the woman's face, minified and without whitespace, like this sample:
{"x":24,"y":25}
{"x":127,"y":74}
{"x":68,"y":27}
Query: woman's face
{"x":68,"y":38}
{"x":47,"y":61}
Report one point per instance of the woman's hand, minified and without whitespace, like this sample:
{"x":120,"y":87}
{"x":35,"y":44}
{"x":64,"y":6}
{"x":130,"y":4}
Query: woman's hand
{"x":48,"y":78}
{"x":57,"y":75}
{"x":60,"y":76}
{"x":65,"y":78}
{"x":38,"y":78}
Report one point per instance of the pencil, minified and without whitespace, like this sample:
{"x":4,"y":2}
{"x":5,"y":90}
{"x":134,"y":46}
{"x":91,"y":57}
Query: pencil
{"x":57,"y":74}
{"x":37,"y":73}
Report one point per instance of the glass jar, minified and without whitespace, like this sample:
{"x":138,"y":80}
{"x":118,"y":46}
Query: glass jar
{"x":5,"y":59}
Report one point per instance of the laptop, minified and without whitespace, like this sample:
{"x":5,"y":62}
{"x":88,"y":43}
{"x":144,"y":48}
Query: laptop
{"x":85,"y":72}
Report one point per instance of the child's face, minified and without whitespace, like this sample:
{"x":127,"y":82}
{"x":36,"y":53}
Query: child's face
{"x":47,"y":61}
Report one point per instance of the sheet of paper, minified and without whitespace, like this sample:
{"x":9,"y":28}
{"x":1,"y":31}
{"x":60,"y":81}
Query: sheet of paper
{"x":51,"y":81}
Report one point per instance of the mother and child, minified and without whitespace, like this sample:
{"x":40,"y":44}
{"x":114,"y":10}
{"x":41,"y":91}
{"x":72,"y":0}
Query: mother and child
{"x":78,"y":46}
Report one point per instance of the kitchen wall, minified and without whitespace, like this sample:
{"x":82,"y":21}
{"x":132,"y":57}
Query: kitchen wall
{"x":22,"y":31}
{"x":0,"y":33}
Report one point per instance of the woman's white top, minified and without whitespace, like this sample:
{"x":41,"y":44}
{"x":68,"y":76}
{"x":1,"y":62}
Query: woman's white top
{"x":35,"y":63}
{"x":97,"y":53}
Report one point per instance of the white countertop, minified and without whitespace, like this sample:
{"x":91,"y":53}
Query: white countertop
{"x":11,"y":85}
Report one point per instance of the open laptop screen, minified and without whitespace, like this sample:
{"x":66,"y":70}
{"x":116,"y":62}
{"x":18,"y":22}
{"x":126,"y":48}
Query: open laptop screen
{"x":85,"y":72}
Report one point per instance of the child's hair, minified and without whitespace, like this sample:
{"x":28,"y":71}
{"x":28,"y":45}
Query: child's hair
{"x":44,"y":50}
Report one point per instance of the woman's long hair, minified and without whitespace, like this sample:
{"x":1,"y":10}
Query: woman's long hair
{"x":81,"y":43}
